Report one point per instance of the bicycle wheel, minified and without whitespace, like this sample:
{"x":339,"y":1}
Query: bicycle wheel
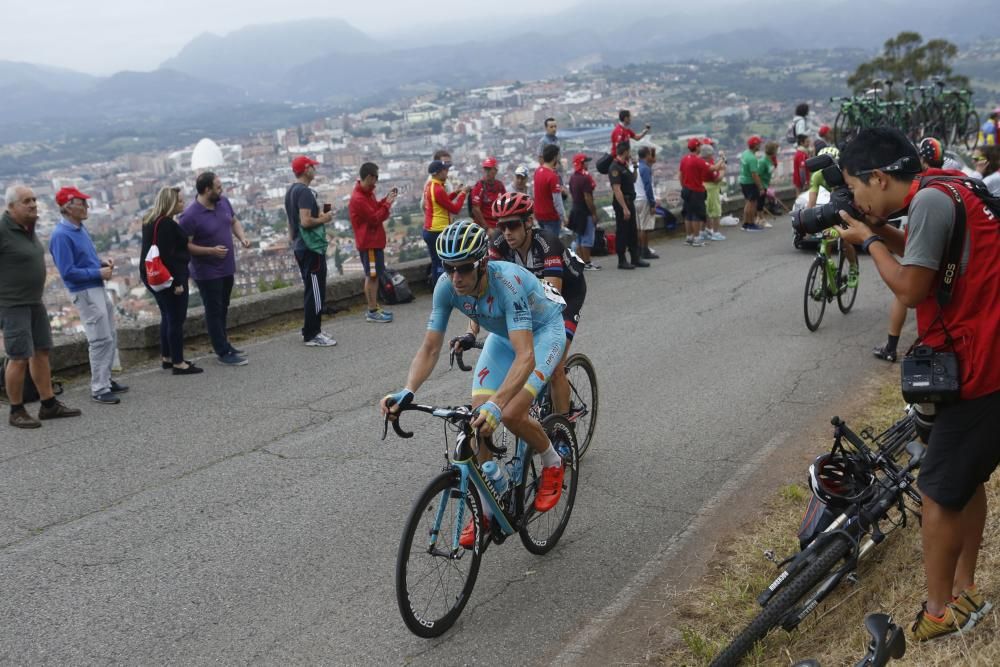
{"x":789,"y":594}
{"x":582,"y":399}
{"x":971,"y":137}
{"x":843,"y":129}
{"x":433,"y":583}
{"x":845,"y":294}
{"x":815,"y":297}
{"x":540,"y":531}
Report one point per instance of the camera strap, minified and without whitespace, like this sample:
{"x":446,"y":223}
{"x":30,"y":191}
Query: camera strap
{"x":952,"y":259}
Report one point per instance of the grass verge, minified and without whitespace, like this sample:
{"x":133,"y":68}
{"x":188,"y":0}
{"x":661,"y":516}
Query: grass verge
{"x":891,"y":580}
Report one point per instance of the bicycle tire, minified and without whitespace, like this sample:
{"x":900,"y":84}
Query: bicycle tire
{"x":971,"y":138}
{"x":843,"y":302}
{"x":843,"y":129}
{"x":817,"y":273}
{"x":415,"y":615}
{"x":540,"y":531}
{"x":587,"y":424}
{"x":791,"y":592}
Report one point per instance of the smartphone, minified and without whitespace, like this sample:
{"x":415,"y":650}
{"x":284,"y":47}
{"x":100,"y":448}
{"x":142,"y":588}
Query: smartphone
{"x":327,"y":208}
{"x":394,"y":191}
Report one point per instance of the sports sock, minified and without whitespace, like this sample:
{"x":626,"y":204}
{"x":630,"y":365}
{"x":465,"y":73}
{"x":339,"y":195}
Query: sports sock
{"x":550,"y":457}
{"x":16,"y":408}
{"x":891,"y":343}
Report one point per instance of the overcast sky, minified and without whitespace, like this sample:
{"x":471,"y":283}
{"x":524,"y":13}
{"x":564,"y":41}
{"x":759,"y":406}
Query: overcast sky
{"x":105,"y":36}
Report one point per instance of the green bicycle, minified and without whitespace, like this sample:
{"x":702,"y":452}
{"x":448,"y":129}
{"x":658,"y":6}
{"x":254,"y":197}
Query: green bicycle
{"x":828,"y":280}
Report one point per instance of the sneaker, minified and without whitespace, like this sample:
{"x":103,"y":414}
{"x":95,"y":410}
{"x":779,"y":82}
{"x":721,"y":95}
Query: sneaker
{"x":233,"y":350}
{"x":57,"y":411}
{"x":549,"y":488}
{"x":705,"y":237}
{"x":648,"y":253}
{"x":641,"y":263}
{"x":590,"y":266}
{"x":926,"y":628}
{"x":883,"y":352}
{"x":321,"y":340}
{"x":233,"y":360}
{"x":625,"y":266}
{"x":767,"y":225}
{"x":107,"y":398}
{"x":118,"y":388}
{"x":717,"y":236}
{"x":21,"y":419}
{"x":694,"y":242}
{"x":752,"y":228}
{"x":972,"y":603}
{"x":468,"y":536}
{"x":191,"y":369}
{"x":378,"y":316}
{"x":852,"y":277}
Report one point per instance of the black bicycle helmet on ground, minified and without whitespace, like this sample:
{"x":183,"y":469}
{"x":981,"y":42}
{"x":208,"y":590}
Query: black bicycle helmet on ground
{"x":840,"y":479}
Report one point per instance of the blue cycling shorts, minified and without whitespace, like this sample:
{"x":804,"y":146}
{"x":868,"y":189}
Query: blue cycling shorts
{"x":498,"y":356}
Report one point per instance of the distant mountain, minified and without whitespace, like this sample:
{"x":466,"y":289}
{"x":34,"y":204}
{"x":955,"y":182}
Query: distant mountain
{"x":27,"y":75}
{"x":256,"y":57}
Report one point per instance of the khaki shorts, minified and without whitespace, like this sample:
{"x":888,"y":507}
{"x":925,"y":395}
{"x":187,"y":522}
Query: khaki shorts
{"x":645,"y":215}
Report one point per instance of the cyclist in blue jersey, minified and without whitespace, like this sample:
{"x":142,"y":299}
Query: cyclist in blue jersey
{"x":524,"y":318}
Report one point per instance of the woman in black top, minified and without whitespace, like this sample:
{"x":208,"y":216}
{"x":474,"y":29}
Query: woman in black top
{"x":173,"y":301}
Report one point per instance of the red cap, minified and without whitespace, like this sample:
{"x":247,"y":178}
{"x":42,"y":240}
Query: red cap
{"x":824,"y":130}
{"x":301,"y":163}
{"x":693,"y":144}
{"x":754,"y":141}
{"x":65,"y":195}
{"x":708,"y":141}
{"x":489,"y":163}
{"x":580,"y":158}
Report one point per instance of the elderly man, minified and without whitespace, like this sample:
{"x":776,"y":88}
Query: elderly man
{"x":210,"y":225}
{"x":520,"y":180}
{"x":23,"y":320}
{"x":84,"y":275}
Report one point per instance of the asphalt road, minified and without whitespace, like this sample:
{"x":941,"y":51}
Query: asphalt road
{"x":252,"y":515}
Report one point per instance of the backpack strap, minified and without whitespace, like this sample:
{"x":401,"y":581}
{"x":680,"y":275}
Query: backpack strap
{"x":156,"y":228}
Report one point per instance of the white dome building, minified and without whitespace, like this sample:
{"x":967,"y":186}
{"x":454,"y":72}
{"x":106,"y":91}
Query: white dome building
{"x":206,"y":155}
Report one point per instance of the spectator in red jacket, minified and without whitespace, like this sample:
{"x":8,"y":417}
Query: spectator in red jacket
{"x":367,"y":216}
{"x":623,"y":132}
{"x":800,"y":175}
{"x":486,"y":191}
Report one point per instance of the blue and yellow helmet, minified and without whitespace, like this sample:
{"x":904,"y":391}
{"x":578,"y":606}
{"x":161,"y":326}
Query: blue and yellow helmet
{"x":462,"y":241}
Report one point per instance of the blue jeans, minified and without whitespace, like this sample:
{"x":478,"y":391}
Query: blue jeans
{"x":173,"y":312}
{"x":430,"y":238}
{"x":553,"y":226}
{"x":215,"y":294}
{"x":586,"y":239}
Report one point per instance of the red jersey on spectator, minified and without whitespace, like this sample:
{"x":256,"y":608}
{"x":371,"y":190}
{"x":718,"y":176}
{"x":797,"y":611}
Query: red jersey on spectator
{"x":620,"y":134}
{"x":694,"y":172}
{"x":546,"y":187}
{"x":483,"y":195}
{"x":367,"y":215}
{"x":800,"y":175}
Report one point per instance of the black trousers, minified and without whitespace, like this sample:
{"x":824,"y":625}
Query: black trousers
{"x":215,"y":295}
{"x":312,"y":267}
{"x":626,"y":231}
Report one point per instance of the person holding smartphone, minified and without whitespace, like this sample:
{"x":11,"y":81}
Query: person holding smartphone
{"x":368,"y":216}
{"x":307,"y":231}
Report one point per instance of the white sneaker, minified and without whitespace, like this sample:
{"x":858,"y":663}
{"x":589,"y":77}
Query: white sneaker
{"x":321,"y":340}
{"x":767,"y":225}
{"x":718,"y":236}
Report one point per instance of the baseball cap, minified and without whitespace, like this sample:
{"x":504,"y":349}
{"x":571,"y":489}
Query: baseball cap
{"x":580,"y":158}
{"x":489,"y":163}
{"x":824,"y":130}
{"x":437,"y":165}
{"x":754,"y":141}
{"x":693,"y":143}
{"x":301,"y":163}
{"x":707,"y":141}
{"x":521,"y":170}
{"x":65,"y":195}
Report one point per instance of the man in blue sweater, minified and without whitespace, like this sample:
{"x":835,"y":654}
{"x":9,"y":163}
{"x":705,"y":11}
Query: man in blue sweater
{"x":84,"y":274}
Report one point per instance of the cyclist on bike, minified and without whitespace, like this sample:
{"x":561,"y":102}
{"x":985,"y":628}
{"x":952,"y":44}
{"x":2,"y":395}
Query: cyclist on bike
{"x":525,"y":317}
{"x":817,"y":181}
{"x":541,"y":252}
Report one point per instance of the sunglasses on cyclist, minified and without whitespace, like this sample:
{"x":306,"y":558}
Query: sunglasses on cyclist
{"x":503,"y":225}
{"x":461,"y":269}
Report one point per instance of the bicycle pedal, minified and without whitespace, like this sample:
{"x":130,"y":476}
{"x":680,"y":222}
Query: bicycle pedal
{"x":852,"y":578}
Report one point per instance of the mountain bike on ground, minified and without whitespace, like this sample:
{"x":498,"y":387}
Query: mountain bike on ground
{"x":828,"y":280}
{"x":435,"y":575}
{"x":583,"y":396}
{"x":887,"y":643}
{"x":859,"y":489}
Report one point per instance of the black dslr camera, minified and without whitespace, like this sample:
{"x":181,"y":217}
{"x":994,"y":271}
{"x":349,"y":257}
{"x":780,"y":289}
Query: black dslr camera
{"x":930,"y":377}
{"x":816,"y":219}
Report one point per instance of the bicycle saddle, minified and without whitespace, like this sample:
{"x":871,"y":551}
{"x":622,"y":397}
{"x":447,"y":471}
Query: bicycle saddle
{"x":887,"y":642}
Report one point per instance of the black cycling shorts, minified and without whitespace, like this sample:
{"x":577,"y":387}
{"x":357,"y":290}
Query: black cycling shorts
{"x":694,"y":205}
{"x":750,"y":192}
{"x":963,"y":452}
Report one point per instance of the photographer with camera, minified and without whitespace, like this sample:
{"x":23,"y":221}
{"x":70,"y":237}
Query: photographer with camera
{"x":817,"y":181}
{"x":947,"y":266}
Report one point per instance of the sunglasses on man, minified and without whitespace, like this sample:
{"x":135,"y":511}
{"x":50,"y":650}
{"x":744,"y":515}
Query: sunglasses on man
{"x":461,"y":269}
{"x":504,"y":225}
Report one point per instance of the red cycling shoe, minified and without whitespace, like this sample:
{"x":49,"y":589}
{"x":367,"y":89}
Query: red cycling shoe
{"x":468,"y":537}
{"x":549,"y":488}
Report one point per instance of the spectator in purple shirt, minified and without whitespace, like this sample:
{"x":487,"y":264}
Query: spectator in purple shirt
{"x":210,"y":225}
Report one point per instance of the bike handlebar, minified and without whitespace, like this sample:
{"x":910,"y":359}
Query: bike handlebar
{"x":458,"y":351}
{"x":454,"y":415}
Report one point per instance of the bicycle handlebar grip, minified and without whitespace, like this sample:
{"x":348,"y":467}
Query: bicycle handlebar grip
{"x":461,"y":364}
{"x":399,"y":430}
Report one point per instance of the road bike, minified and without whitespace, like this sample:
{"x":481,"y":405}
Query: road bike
{"x":583,"y":394}
{"x":880,"y":488}
{"x":828,"y":279}
{"x":435,"y":575}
